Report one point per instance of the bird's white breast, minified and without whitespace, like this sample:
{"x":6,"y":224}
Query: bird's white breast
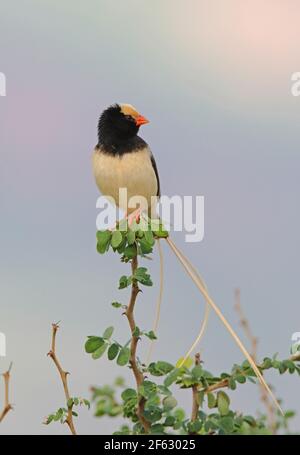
{"x":133,"y":171}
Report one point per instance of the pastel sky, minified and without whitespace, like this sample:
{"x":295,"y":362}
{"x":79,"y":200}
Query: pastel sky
{"x":214,"y":78}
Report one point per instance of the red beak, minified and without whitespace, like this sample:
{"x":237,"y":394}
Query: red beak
{"x":140,"y":120}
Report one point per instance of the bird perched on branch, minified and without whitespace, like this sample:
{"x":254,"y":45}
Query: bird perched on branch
{"x":122,"y":159}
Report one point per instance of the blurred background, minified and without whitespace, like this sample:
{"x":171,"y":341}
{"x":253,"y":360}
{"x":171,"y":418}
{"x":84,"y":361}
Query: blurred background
{"x":214,"y":79}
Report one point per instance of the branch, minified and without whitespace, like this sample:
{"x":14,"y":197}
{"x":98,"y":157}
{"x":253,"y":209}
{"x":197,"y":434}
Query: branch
{"x":245,"y":324}
{"x":254,"y":342}
{"x":139,"y":378}
{"x":195,"y":408}
{"x":216,"y":386}
{"x":7,"y":406}
{"x":63,"y":375}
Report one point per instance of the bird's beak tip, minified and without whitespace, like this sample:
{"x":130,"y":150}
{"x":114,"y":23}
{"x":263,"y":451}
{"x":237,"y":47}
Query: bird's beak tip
{"x":141,"y":120}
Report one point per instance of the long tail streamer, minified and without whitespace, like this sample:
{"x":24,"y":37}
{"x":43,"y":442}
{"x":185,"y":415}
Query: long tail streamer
{"x":158,"y":308}
{"x":198,"y":282}
{"x":159,"y":300}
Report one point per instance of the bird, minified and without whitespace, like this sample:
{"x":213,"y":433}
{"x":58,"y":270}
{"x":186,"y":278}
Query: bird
{"x":122,"y":159}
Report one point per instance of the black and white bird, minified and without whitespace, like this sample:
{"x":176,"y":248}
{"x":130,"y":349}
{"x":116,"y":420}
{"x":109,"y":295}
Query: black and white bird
{"x":122,"y":159}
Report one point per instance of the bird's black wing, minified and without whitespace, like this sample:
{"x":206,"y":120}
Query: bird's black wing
{"x":156,"y":173}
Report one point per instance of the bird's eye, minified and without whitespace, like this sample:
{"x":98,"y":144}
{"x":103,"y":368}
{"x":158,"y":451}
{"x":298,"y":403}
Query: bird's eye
{"x":129,"y":117}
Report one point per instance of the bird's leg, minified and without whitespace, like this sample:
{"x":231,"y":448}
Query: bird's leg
{"x":129,"y":218}
{"x":136,"y":215}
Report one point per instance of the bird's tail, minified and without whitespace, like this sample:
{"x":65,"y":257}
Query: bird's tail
{"x":159,"y":302}
{"x":203,"y":289}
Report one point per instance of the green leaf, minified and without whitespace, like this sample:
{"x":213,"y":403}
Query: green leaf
{"x":103,"y":241}
{"x":116,"y":239}
{"x":148,"y":388}
{"x":169,"y":422}
{"x":124,"y":282}
{"x":267,"y":363}
{"x":179,"y":414}
{"x":163,"y":390}
{"x":187,"y":363}
{"x":250,"y":420}
{"x":164,"y":367}
{"x":130,"y":251}
{"x":146,"y":248}
{"x":70,"y":402}
{"x":187,"y":382}
{"x":171,"y":377}
{"x":128,"y":394}
{"x":197,"y":372}
{"x":59,"y":414}
{"x":223,"y":402}
{"x":151,"y":335}
{"x":169,"y":403}
{"x":241,"y":379}
{"x":113,"y":351}
{"x":93,"y":343}
{"x":108,"y":333}
{"x":211,"y":400}
{"x":152,"y":414}
{"x":161,"y":232}
{"x":157,"y":428}
{"x":195,"y":426}
{"x":87,"y":403}
{"x":231,"y":384}
{"x":116,"y":304}
{"x":131,"y":237}
{"x":142,"y":276}
{"x":149,"y":238}
{"x":123,"y":357}
{"x":227,"y":424}
{"x":136,"y":332}
{"x":200,"y":399}
{"x":99,"y":352}
{"x":122,"y":246}
{"x":139,"y":234}
{"x":119,"y":381}
{"x":49,"y":419}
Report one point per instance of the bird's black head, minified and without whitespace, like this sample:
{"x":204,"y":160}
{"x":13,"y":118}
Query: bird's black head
{"x":118,"y":125}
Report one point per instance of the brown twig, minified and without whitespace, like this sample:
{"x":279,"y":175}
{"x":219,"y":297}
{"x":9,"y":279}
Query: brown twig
{"x":218,"y":385}
{"x":63,"y":375}
{"x":7,"y":406}
{"x":271,"y":413}
{"x":196,"y":405}
{"x":139,"y":378}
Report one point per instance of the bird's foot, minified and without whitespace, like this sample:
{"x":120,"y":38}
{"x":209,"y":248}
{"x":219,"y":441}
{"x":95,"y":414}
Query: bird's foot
{"x":134,"y":216}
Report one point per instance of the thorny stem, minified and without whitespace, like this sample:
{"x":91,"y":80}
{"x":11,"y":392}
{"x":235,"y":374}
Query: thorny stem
{"x":195,"y":408}
{"x":7,"y":406}
{"x":225,"y":382}
{"x":254,"y":342}
{"x":139,"y":378}
{"x":63,"y":375}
